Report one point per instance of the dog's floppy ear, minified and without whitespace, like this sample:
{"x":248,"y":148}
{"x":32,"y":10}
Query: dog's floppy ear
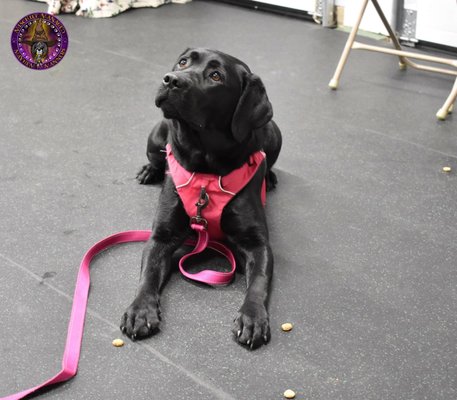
{"x":253,"y":110}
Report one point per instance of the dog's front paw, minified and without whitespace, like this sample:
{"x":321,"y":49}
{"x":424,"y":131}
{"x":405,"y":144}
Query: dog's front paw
{"x":141,"y":319}
{"x":252,"y":326}
{"x":149,"y":174}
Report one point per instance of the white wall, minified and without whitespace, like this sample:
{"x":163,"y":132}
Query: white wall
{"x":304,"y":5}
{"x":437,"y":21}
{"x":371,"y":21}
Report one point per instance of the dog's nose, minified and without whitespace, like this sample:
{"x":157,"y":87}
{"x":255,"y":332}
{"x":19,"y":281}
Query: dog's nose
{"x":171,"y":80}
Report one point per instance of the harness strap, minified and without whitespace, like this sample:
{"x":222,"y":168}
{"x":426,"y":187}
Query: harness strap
{"x":78,"y":311}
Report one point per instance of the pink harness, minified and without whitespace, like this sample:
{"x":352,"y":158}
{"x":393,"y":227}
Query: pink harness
{"x":205,"y":213}
{"x":204,"y":197}
{"x":212,"y":192}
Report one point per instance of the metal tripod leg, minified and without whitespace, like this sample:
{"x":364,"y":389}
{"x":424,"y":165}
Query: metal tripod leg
{"x":347,"y":48}
{"x":334,"y":82}
{"x":403,"y":56}
{"x":448,"y":104}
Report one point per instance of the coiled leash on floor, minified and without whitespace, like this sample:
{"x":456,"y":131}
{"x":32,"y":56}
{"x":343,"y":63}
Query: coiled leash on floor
{"x":75,"y":327}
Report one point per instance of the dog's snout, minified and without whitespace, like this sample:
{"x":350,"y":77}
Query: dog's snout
{"x":172,"y":81}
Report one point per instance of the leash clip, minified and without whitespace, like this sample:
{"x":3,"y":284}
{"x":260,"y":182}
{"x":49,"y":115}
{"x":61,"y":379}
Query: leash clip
{"x":201,"y":204}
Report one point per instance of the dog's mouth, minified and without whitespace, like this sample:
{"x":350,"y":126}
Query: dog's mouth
{"x":168,"y":103}
{"x":161,"y":96}
{"x":176,"y":105}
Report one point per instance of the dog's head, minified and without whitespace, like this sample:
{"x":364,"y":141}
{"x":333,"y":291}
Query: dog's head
{"x":211,"y":90}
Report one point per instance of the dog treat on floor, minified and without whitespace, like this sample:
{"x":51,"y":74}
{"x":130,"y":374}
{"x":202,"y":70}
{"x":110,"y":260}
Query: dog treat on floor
{"x":118,"y":342}
{"x":287,"y":327}
{"x":447,"y":169}
{"x":289,"y":394}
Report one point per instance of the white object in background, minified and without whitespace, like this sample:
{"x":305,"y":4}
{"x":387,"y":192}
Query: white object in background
{"x":303,"y":5}
{"x":410,"y":5}
{"x":371,"y":21}
{"x":437,"y":21}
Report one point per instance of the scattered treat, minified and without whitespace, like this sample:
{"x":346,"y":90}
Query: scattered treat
{"x":118,"y":342}
{"x":447,"y":169}
{"x":289,"y":394}
{"x":287,"y":327}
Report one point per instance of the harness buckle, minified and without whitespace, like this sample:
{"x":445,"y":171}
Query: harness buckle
{"x":199,"y":221}
{"x":201,"y":203}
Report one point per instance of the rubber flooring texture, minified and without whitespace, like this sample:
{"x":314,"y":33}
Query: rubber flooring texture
{"x":363,"y":222}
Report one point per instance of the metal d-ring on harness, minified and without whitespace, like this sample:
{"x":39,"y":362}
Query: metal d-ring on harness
{"x":201,"y":203}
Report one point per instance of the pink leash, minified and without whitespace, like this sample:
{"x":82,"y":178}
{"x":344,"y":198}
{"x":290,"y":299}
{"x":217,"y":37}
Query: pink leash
{"x":75,"y":327}
{"x":208,"y":276}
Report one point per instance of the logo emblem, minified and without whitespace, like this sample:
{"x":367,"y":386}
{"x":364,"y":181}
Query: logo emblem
{"x":39,"y":41}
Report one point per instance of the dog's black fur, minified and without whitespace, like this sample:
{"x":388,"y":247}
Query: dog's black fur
{"x":216,"y":113}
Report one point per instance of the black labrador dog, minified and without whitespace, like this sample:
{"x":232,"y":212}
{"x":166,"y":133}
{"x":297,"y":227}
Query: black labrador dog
{"x":217,"y":114}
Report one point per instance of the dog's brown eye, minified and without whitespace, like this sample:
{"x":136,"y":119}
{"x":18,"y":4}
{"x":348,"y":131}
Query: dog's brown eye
{"x":182,"y":62}
{"x":215,"y":76}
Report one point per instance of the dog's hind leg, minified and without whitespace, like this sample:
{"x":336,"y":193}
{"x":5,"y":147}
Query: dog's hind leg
{"x":272,"y":142}
{"x":271,"y":180}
